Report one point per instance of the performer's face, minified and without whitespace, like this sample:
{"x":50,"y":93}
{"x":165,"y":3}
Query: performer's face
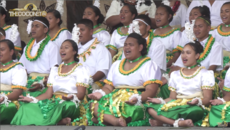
{"x":189,"y":56}
{"x":66,"y":51}
{"x":90,"y":14}
{"x":53,"y":21}
{"x":162,"y":17}
{"x":126,"y":16}
{"x":144,"y":29}
{"x":132,"y":49}
{"x":225,"y":13}
{"x":201,"y":29}
{"x":85,"y":33}
{"x":195,"y":13}
{"x":38,"y":30}
{"x":5,"y":52}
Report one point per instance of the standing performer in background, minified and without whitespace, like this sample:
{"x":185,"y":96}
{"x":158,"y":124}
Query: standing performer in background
{"x":40,"y":55}
{"x":13,"y":81}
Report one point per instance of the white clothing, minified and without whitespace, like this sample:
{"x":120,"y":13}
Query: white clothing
{"x":65,"y":34}
{"x":157,"y":53}
{"x":15,"y":76}
{"x":223,"y":40}
{"x":116,"y":6}
{"x":215,"y":57}
{"x":227,"y":81}
{"x":17,"y":43}
{"x":203,"y":80}
{"x":45,"y":62}
{"x":179,"y":17}
{"x":170,"y":41}
{"x":103,"y":36}
{"x":78,"y":76}
{"x":117,"y":40}
{"x":148,"y":71}
{"x":99,"y":58}
{"x":215,"y":9}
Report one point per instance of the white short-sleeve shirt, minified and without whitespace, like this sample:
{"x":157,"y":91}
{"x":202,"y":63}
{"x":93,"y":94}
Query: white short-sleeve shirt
{"x":103,"y":36}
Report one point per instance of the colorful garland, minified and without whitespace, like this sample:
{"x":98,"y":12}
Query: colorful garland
{"x":220,"y":31}
{"x":17,"y":48}
{"x":88,"y":52}
{"x":40,"y":49}
{"x":152,"y":81}
{"x":57,"y":34}
{"x":98,"y":30}
{"x":226,"y":89}
{"x":12,"y":66}
{"x":190,"y":76}
{"x":168,"y":33}
{"x":120,"y":33}
{"x":150,"y":39}
{"x":171,"y":89}
{"x":18,"y":87}
{"x":208,"y":47}
{"x":7,"y":27}
{"x":68,"y":73}
{"x":124,"y":72}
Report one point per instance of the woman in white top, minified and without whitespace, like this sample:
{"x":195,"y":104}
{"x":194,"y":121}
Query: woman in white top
{"x":5,"y":18}
{"x":190,"y":90}
{"x":94,"y":14}
{"x":13,"y":81}
{"x":58,"y":35}
{"x":219,"y":113}
{"x":213,"y":5}
{"x":142,"y":6}
{"x":222,"y":33}
{"x":60,"y":104}
{"x":129,"y":83}
{"x":127,"y":14}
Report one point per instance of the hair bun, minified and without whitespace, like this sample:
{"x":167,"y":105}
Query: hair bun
{"x":199,"y":47}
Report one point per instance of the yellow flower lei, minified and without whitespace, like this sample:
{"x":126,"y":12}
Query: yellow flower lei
{"x":219,"y":30}
{"x":71,"y":71}
{"x":57,"y":34}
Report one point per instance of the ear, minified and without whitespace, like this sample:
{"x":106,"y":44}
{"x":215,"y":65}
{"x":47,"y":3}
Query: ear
{"x":12,"y":52}
{"x":197,"y":56}
{"x":58,"y":20}
{"x":91,"y":32}
{"x":148,"y":27}
{"x":170,"y":16}
{"x":209,"y":28}
{"x":133,"y":16}
{"x":96,"y":18}
{"x":140,"y":47}
{"x":46,"y":30}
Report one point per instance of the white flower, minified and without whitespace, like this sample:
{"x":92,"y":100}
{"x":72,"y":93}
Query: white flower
{"x":14,"y":29}
{"x":97,"y":3}
{"x":60,"y":8}
{"x":75,"y":33}
{"x":29,"y":26}
{"x":166,"y":2}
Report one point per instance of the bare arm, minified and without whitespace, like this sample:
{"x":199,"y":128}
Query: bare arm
{"x":150,"y":91}
{"x":113,"y":20}
{"x":98,"y":76}
{"x":207,"y":97}
{"x":113,"y":53}
{"x":171,"y":96}
{"x":173,"y":60}
{"x":47,"y":95}
{"x":108,"y":89}
{"x":212,"y":67}
{"x":81,"y":92}
{"x":15,"y":94}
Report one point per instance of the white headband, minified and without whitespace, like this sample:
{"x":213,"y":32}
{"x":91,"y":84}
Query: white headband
{"x":1,"y":34}
{"x":142,"y":21}
{"x":30,"y":22}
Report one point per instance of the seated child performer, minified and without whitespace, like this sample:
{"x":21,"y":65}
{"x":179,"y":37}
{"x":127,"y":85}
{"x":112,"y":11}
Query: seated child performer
{"x":93,"y":54}
{"x":40,"y":55}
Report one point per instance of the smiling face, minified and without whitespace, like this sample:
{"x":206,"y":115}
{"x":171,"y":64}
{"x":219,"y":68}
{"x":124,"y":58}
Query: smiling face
{"x":189,"y":56}
{"x":126,"y":16}
{"x":5,"y":52}
{"x":132,"y":49}
{"x":38,"y":30}
{"x":144,"y":29}
{"x":85,"y":33}
{"x":67,"y":52}
{"x":162,"y":17}
{"x":201,"y":29}
{"x":53,"y":21}
{"x":89,"y":14}
{"x":195,"y":13}
{"x":225,"y":13}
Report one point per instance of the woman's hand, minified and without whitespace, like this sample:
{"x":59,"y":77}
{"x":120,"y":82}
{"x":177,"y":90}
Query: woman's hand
{"x":154,"y":100}
{"x":25,"y":99}
{"x":67,"y":98}
{"x":36,"y":87}
{"x":216,"y":102}
{"x":194,"y":102}
{"x":95,"y":96}
{"x":132,"y":101}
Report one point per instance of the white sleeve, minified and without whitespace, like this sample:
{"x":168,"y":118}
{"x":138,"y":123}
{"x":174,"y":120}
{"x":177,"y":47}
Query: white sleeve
{"x":23,"y":58}
{"x":151,"y":74}
{"x":82,"y":78}
{"x":17,"y":43}
{"x":216,"y":55}
{"x":109,"y":78}
{"x":172,"y":82}
{"x":104,"y":60}
{"x":54,"y":55}
{"x":19,"y":78}
{"x":157,"y":53}
{"x":113,"y":9}
{"x":112,"y":44}
{"x":227,"y":81}
{"x":152,"y":10}
{"x":183,"y":15}
{"x":176,"y":39}
{"x":208,"y":79}
{"x":105,"y":38}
